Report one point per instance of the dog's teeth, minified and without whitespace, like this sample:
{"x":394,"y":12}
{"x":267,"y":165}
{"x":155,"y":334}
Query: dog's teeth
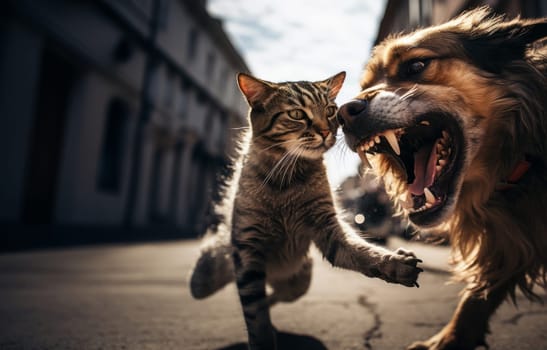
{"x":425,"y":122}
{"x":429,"y":197}
{"x":364,"y":160}
{"x":422,"y":208}
{"x":371,"y":143}
{"x":445,"y":135}
{"x":439,"y":149}
{"x":377,"y":139}
{"x":442,"y":162}
{"x":392,"y":140}
{"x":438,"y":168}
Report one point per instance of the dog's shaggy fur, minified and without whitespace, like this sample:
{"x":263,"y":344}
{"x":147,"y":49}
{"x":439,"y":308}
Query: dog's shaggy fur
{"x":466,"y":101}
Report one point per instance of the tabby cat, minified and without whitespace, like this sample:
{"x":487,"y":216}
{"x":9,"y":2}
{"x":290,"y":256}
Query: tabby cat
{"x":279,"y":202}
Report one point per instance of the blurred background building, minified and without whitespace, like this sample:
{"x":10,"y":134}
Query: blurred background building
{"x":117,"y":117}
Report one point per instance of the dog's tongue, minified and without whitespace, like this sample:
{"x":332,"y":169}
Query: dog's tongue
{"x":424,"y":169}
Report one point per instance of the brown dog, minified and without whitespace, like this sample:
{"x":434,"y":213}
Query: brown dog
{"x":453,"y":118}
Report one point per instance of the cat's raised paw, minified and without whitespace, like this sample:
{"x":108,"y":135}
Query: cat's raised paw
{"x":401,"y":267}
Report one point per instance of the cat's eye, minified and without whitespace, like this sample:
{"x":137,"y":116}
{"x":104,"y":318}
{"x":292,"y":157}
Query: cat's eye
{"x":296,"y":114}
{"x":331,"y":111}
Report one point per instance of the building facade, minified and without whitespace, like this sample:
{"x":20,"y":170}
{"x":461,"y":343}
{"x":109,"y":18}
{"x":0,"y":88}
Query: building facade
{"x":115,"y":113}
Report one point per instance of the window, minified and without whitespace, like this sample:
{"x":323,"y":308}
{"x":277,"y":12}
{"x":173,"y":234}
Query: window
{"x":223,"y":131}
{"x":224,"y":78}
{"x":158,"y":76}
{"x":55,"y":88}
{"x":210,"y":65}
{"x":170,"y":87}
{"x":109,"y":170}
{"x":183,"y":99}
{"x":163,"y":14}
{"x":140,"y":8}
{"x":192,"y":43}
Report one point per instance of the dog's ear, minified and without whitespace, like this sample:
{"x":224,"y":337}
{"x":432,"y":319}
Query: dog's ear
{"x":492,"y":43}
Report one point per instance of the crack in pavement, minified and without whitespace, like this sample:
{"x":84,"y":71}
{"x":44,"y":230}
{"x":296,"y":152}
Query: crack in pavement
{"x":428,"y":324}
{"x":373,"y":332}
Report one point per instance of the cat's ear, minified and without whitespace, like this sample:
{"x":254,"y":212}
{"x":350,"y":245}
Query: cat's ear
{"x":334,"y":84}
{"x":256,"y":91}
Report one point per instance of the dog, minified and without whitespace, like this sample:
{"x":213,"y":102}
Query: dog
{"x":453,"y":118}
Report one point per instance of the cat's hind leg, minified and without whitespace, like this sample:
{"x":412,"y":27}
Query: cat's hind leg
{"x":291,"y":288}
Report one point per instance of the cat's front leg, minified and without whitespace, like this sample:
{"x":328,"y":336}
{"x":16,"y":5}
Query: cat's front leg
{"x":344,"y":248}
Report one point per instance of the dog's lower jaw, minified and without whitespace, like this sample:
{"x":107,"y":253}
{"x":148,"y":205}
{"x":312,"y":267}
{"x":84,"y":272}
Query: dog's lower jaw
{"x":439,"y":223}
{"x":469,"y":324}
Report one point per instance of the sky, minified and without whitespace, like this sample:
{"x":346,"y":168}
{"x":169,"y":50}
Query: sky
{"x":288,"y":40}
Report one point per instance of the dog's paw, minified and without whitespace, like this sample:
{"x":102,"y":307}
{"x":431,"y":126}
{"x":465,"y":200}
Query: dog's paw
{"x":400,"y":267}
{"x":427,"y":345}
{"x":447,"y":341}
{"x":440,"y":341}
{"x":420,"y":345}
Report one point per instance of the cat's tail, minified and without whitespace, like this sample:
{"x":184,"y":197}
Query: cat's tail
{"x":214,"y":268}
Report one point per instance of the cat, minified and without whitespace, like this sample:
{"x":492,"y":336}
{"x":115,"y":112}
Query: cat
{"x":279,"y":202}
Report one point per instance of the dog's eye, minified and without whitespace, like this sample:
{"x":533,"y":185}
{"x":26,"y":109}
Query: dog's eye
{"x":413,"y":68}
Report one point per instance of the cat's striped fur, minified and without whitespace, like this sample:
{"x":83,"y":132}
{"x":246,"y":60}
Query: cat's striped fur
{"x":280,"y":202}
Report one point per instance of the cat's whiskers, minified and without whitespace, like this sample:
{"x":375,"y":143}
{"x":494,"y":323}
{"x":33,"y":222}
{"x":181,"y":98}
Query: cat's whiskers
{"x":341,"y":149}
{"x":276,"y":144}
{"x":286,"y":164}
{"x":241,"y":128}
{"x":296,"y":153}
{"x":277,"y":166}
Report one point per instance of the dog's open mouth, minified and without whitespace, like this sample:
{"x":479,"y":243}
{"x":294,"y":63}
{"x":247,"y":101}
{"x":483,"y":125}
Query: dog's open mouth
{"x":427,"y":154}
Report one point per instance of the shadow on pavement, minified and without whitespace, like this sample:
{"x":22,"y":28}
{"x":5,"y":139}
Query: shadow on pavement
{"x":287,"y":341}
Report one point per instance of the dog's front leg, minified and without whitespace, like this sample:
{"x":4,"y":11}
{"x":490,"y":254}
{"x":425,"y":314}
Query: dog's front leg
{"x":469,"y":324}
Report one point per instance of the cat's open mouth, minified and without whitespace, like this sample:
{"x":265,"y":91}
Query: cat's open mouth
{"x":427,"y":154}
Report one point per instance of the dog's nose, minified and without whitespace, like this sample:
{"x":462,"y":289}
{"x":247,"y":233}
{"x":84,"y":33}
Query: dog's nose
{"x":349,"y":112}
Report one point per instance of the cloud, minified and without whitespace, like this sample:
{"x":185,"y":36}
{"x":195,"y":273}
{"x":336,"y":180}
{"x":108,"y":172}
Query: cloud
{"x":305,"y":40}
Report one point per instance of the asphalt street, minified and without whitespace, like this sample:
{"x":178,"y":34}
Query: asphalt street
{"x":136,"y":297}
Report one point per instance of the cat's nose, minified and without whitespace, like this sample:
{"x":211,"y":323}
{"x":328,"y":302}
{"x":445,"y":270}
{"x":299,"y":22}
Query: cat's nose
{"x":325,"y":133}
{"x":351,"y":111}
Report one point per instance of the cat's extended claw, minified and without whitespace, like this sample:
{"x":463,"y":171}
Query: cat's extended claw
{"x":401,"y":267}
